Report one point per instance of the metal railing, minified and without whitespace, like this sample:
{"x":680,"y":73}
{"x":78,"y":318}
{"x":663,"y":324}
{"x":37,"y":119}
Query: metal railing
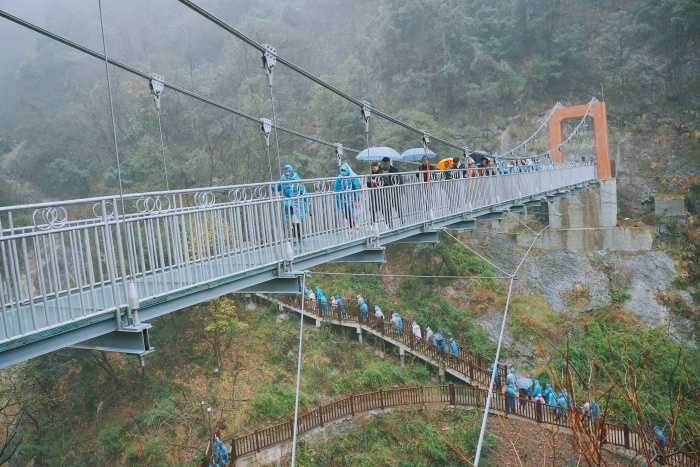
{"x":64,"y":261}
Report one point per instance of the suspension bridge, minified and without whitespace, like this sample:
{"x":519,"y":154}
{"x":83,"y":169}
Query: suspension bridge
{"x":92,"y":273}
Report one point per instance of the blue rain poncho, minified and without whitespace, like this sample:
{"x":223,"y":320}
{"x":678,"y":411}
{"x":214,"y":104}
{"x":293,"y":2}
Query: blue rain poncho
{"x":294,"y":193}
{"x":510,"y":398}
{"x":440,"y":341}
{"x":594,"y":411}
{"x":220,"y":453}
{"x":347,"y":187}
{"x":322,"y":301}
{"x":536,"y":389}
{"x":661,"y":439}
{"x":454,"y":348}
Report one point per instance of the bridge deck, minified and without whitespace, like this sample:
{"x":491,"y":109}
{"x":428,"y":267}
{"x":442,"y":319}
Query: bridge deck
{"x":67,"y":265}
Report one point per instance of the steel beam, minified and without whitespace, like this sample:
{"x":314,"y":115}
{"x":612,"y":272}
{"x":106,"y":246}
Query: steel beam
{"x":283,"y":285}
{"x":466,"y":225}
{"x":423,"y":237}
{"x":377,"y":255}
{"x":134,"y":341}
{"x":489,"y":216}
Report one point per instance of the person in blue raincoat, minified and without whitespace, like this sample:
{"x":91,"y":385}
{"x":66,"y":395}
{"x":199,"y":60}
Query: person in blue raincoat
{"x":219,"y":451}
{"x":342,"y":309}
{"x":440,"y":341}
{"x":322,"y":301}
{"x":454,"y":348}
{"x":594,"y":411}
{"x":551,"y":398}
{"x":536,"y":389}
{"x":510,"y":398}
{"x":562,"y":406}
{"x":347,"y":188}
{"x":295,"y":203}
{"x":547,"y":390}
{"x":363,"y":307}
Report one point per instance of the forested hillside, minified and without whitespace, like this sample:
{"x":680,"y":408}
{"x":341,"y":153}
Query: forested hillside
{"x":482,"y":72}
{"x":479,"y":71}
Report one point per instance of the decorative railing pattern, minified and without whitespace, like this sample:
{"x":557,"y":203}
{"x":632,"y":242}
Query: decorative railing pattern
{"x":64,"y":261}
{"x":616,"y":435}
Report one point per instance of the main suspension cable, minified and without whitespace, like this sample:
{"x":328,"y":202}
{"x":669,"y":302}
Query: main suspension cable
{"x":542,"y":125}
{"x":298,"y":69}
{"x":147,"y":76}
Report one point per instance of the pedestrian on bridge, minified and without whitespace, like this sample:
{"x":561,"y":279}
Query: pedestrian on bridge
{"x":390,"y":196}
{"x":440,"y":341}
{"x":429,"y":336}
{"x":416,"y":332}
{"x":562,"y":406}
{"x":363,"y":307}
{"x":374,"y":180}
{"x":219,"y":451}
{"x":535,"y":389}
{"x":378,"y":313}
{"x":539,"y":408}
{"x":426,"y":168}
{"x":347,"y":188}
{"x":295,"y":203}
{"x":322,"y":301}
{"x":397,"y":321}
{"x":454,"y":348}
{"x":510,"y":398}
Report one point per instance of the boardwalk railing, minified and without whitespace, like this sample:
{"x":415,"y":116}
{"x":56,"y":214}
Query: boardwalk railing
{"x":62,"y":262}
{"x":473,"y":366}
{"x":617,"y":435}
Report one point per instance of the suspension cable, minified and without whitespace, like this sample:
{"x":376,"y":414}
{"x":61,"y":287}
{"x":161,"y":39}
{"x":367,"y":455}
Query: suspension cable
{"x":147,"y":76}
{"x":477,"y":253}
{"x":416,"y":276}
{"x":298,"y":382}
{"x":261,"y":47}
{"x":156,"y":86}
{"x":542,"y":125}
{"x":111,"y":105}
{"x":489,"y":395}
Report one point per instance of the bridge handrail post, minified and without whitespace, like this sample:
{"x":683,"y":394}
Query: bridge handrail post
{"x":381,"y":398}
{"x":626,"y":432}
{"x":451,"y":389}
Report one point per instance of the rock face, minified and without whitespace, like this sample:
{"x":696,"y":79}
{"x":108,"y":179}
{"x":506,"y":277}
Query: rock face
{"x":567,"y":280}
{"x":577,"y":281}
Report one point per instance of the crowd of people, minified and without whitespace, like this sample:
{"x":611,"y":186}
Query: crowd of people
{"x":518,"y":390}
{"x":337,"y":308}
{"x":348,"y":184}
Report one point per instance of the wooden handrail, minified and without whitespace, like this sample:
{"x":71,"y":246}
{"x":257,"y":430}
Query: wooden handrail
{"x":448,"y":394}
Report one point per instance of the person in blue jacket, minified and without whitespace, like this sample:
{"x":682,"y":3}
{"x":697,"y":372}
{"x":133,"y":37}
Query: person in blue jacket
{"x":363,"y":307}
{"x":322,"y":301}
{"x":347,"y":188}
{"x":219,"y":451}
{"x":562,"y":406}
{"x":295,"y":203}
{"x":440,"y":341}
{"x":536,"y":389}
{"x":454,"y":348}
{"x":510,"y":398}
{"x":551,"y":399}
